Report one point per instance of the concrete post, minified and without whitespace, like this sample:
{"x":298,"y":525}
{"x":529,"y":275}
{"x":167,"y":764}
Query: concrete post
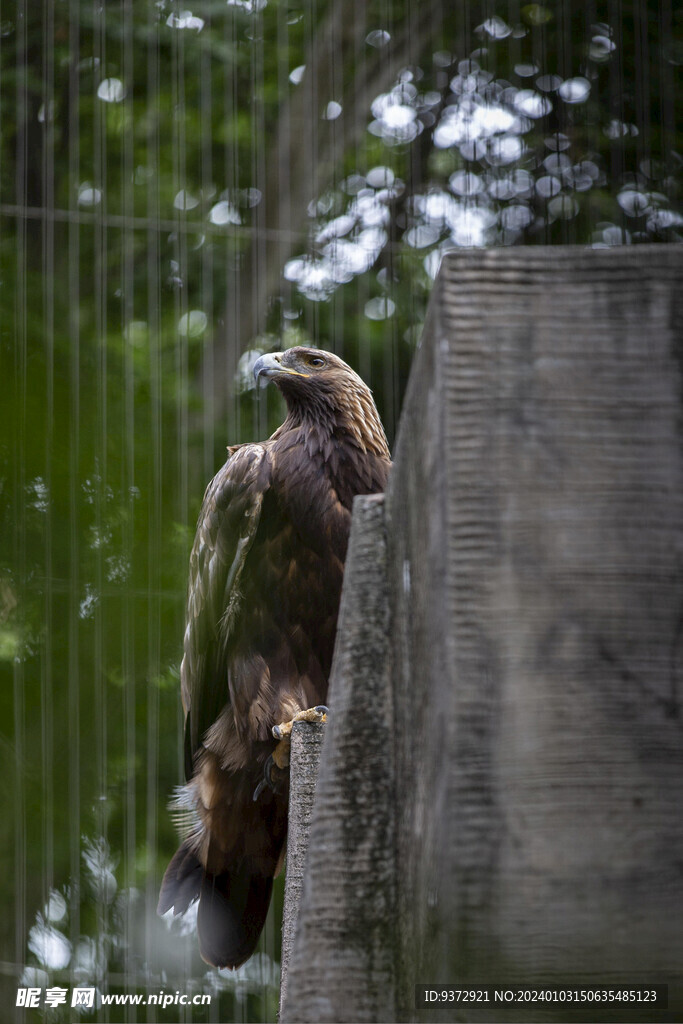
{"x":307,"y":740}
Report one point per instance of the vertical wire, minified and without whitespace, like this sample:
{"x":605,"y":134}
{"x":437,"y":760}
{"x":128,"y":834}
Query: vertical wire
{"x":336,"y":93}
{"x":487,"y":60}
{"x":258,"y":134}
{"x":207,"y":264}
{"x":178,"y":299}
{"x":460,"y":48}
{"x":390,"y":353}
{"x":129,"y":486}
{"x":564,"y":47}
{"x":259,"y":252}
{"x":616,"y":105}
{"x":74,"y":727}
{"x":666,"y":88}
{"x":181,"y":351}
{"x":46,"y":711}
{"x":539,"y":57}
{"x":488,"y":10}
{"x":154,"y":523}
{"x":259,"y":270}
{"x":362,"y":160}
{"x":182,"y":308}
{"x":642,"y":82}
{"x":313,"y":115}
{"x":438,"y":41}
{"x":309,"y":84}
{"x":392,"y":386}
{"x":514,"y":44}
{"x":232,"y":245}
{"x":101,"y":488}
{"x":207,"y":268}
{"x":386,"y":23}
{"x":284,"y":131}
{"x":260,"y":219}
{"x":592,"y":133}
{"x":19,"y":677}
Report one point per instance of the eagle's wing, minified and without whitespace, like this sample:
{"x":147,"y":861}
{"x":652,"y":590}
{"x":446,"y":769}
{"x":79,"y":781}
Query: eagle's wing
{"x":227,"y":525}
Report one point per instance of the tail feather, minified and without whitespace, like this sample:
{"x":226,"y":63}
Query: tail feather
{"x":182,"y":881}
{"x":232,"y":912}
{"x":232,"y":906}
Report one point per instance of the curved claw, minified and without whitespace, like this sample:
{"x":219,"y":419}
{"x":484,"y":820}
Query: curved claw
{"x":259,"y":789}
{"x":270,"y":779}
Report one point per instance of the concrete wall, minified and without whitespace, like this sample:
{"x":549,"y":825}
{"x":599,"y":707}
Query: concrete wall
{"x":501,"y":785}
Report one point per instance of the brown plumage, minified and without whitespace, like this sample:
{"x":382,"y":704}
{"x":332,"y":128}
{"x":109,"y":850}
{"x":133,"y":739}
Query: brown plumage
{"x":265,"y":580}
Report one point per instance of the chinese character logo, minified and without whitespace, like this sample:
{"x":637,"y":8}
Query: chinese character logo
{"x":28,"y":997}
{"x":83,"y":997}
{"x":55,"y":997}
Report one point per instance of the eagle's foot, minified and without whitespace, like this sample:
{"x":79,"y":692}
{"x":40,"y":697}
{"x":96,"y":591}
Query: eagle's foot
{"x":283,"y":732}
{"x":276,"y":768}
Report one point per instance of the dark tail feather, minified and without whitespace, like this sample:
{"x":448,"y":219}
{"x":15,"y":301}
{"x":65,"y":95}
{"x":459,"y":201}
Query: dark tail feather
{"x":182,"y":881}
{"x":232,"y":906}
{"x":232,"y":912}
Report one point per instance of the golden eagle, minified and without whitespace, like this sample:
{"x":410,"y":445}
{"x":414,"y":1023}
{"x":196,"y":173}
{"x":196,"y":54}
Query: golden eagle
{"x":265,"y":580}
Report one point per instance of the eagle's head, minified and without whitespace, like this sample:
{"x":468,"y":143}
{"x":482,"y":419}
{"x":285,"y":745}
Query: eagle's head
{"x":320,"y":388}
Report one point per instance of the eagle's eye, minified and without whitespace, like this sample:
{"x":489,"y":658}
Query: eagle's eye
{"x":315,"y":361}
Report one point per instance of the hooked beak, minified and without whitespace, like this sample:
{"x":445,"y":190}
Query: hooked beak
{"x":270,"y":365}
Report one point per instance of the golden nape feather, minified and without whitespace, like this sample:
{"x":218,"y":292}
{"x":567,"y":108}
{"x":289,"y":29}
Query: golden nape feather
{"x":265,"y":580}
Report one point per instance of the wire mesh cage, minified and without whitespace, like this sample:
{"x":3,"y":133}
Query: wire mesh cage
{"x":180,"y":191}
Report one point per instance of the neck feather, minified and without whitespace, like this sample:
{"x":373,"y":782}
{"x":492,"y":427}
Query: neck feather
{"x":323,"y":417}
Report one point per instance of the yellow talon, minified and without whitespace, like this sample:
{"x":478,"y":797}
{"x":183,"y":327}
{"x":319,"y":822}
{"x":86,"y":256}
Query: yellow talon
{"x":284,"y":729}
{"x":283,"y":732}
